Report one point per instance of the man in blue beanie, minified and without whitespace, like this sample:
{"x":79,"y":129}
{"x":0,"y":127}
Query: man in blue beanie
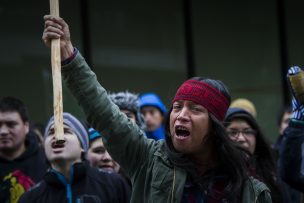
{"x":70,"y":178}
{"x":154,"y":112}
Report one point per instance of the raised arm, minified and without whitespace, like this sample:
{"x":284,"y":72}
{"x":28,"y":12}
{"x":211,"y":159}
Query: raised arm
{"x":291,"y":164}
{"x":124,"y":140}
{"x":55,"y":28}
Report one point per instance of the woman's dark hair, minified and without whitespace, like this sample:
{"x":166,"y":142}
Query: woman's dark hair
{"x":229,"y":158}
{"x":262,"y":159}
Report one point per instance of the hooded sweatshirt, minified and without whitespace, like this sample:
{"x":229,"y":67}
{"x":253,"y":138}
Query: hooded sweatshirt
{"x":18,"y":175}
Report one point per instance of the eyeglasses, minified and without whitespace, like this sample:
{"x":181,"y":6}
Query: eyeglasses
{"x":236,"y":133}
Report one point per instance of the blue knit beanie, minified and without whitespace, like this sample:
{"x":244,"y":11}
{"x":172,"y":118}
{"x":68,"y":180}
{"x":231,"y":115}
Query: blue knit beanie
{"x":151,"y":99}
{"x":93,"y":134}
{"x":75,"y":125}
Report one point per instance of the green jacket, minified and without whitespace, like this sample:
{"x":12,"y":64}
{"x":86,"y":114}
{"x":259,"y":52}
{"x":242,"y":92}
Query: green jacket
{"x":154,"y":178}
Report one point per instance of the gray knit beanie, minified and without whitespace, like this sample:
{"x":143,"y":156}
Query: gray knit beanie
{"x":75,"y":125}
{"x":128,"y":101}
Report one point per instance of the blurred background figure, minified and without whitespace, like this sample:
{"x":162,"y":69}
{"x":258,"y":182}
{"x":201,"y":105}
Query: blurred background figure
{"x":99,"y":157}
{"x":291,"y":158}
{"x":243,"y":129}
{"x":245,"y":104}
{"x":154,"y":112}
{"x":289,"y":194}
{"x":38,"y":130}
{"x":284,"y":118}
{"x":22,"y":161}
{"x":128,"y":103}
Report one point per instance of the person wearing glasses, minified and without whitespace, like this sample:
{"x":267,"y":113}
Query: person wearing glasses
{"x":243,"y":129}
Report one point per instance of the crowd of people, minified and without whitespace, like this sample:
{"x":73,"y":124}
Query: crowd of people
{"x":131,"y":148}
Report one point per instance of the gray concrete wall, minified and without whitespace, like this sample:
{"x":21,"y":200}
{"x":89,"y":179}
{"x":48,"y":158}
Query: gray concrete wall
{"x":140,"y":46}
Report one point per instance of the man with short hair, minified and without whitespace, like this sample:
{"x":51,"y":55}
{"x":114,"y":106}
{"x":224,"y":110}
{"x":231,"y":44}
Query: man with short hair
{"x":22,"y":161}
{"x":70,"y":178}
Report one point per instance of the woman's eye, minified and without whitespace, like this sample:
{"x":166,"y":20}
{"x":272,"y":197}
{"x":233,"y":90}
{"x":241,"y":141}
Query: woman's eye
{"x":99,"y":151}
{"x":176,"y":106}
{"x":232,"y":133}
{"x":195,"y":108}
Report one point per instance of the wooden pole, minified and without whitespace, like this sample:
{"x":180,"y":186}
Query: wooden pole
{"x":57,"y":84}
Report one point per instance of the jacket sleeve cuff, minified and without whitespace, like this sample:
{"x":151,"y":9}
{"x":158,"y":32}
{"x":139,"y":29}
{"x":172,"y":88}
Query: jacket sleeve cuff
{"x":71,"y":58}
{"x":297,"y":122}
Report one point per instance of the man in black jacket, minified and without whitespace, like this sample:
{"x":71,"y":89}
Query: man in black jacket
{"x":22,"y":161}
{"x":70,"y":178}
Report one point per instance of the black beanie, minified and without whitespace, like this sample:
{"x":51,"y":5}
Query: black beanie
{"x":234,"y":113}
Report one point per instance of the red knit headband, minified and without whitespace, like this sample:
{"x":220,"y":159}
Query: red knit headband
{"x":207,"y":96}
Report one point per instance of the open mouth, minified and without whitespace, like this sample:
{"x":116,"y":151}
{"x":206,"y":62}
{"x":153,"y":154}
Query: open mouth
{"x":4,"y":140}
{"x":181,"y":131}
{"x":57,"y":145}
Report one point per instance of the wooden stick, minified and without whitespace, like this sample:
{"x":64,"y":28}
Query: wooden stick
{"x":57,"y":83}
